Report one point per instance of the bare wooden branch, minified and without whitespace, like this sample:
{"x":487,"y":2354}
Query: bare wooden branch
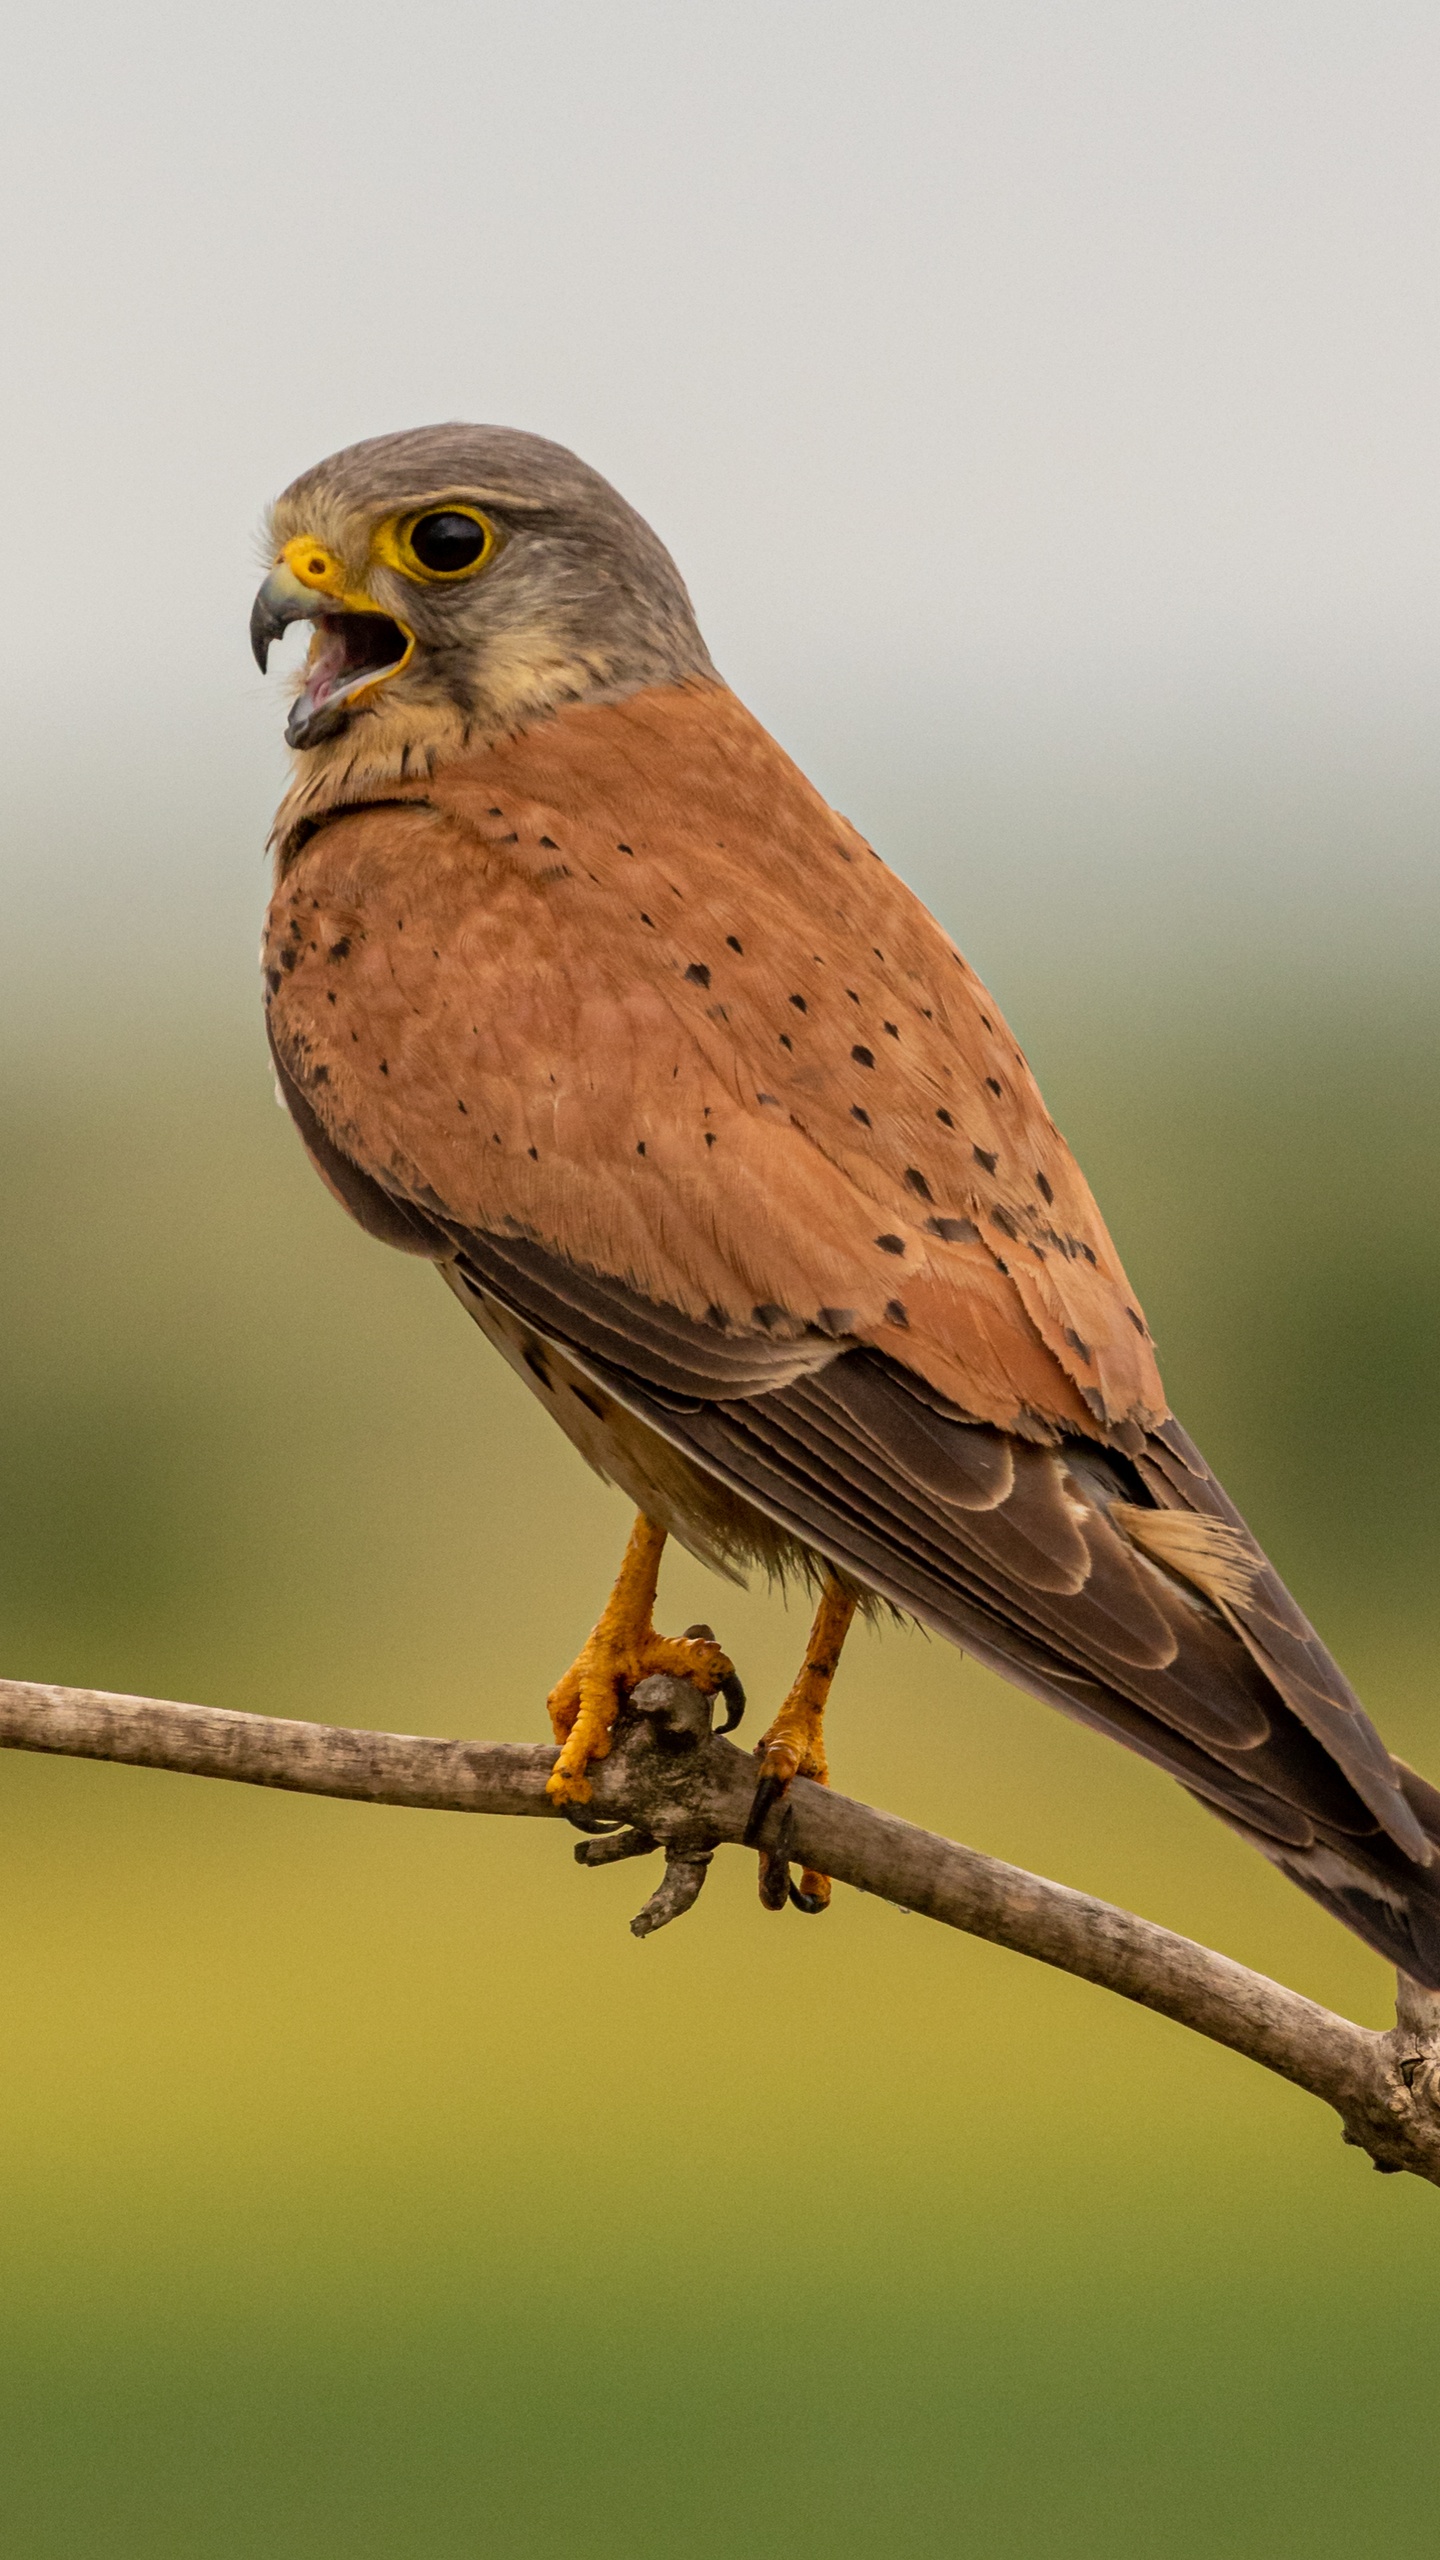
{"x":670,"y":1783}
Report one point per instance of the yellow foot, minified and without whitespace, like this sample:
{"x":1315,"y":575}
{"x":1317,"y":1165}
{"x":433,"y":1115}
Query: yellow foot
{"x":794,"y":1747}
{"x":584,"y":1705}
{"x":621,"y":1650}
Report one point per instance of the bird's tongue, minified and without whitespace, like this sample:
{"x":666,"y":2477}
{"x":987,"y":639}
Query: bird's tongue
{"x":328,"y":664}
{"x":348,"y":655}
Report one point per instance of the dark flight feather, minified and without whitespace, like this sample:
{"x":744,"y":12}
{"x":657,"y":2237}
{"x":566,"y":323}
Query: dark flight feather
{"x":1036,"y":1583}
{"x":852,"y":1281}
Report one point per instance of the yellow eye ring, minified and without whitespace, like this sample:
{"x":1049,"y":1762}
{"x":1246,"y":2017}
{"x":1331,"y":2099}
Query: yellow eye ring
{"x":439,"y":545}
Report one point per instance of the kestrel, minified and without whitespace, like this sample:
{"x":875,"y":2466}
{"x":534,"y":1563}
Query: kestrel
{"x":578,"y":989}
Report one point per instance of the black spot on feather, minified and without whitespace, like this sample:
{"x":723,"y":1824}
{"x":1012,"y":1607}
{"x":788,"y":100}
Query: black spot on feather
{"x":698,"y":974}
{"x":983,"y":1156}
{"x":891,"y":1244}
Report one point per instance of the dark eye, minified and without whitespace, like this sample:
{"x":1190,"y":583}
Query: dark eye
{"x":446,"y":542}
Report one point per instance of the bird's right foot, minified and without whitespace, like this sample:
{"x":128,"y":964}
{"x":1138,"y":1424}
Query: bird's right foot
{"x":794,"y":1747}
{"x":621,"y":1650}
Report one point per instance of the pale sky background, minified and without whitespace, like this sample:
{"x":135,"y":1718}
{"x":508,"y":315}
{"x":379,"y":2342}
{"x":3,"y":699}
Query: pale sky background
{"x":1041,"y":401}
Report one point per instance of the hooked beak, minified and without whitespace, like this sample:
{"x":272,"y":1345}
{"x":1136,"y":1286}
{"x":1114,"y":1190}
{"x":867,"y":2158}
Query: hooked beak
{"x":357,"y":646}
{"x":281,"y":601}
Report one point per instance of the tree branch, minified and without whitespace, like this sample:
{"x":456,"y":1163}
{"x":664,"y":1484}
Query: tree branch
{"x":670,"y":1783}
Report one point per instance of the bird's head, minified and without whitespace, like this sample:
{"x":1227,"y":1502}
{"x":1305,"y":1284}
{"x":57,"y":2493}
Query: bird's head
{"x":462,"y":580}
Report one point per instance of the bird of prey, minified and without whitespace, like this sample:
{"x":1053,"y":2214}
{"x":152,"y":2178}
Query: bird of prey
{"x":578,"y":989}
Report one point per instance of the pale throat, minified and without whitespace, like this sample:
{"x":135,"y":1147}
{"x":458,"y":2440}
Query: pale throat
{"x":527,"y":676}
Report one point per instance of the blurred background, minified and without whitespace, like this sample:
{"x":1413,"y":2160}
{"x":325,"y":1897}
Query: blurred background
{"x":1042,"y":402}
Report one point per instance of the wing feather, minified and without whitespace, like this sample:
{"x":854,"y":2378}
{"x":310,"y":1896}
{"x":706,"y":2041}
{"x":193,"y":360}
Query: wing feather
{"x":623,"y":984}
{"x":620,"y":1023}
{"x":828,"y":1456}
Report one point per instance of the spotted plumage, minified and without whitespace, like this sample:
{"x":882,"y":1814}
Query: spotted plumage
{"x":578,"y":988}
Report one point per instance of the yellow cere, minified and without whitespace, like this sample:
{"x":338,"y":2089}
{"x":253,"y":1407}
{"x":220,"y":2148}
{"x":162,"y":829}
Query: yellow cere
{"x":316,"y":567}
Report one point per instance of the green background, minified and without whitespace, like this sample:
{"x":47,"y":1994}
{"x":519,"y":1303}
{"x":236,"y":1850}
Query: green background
{"x":1042,"y":404}
{"x":365,"y":2189}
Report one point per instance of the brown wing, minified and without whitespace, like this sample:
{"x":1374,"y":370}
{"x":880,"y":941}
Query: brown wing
{"x":801,"y":1210}
{"x":1023,"y":1556}
{"x":626,"y":985}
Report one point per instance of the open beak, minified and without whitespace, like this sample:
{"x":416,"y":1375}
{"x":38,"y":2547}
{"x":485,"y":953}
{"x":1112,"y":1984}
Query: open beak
{"x":357,"y":646}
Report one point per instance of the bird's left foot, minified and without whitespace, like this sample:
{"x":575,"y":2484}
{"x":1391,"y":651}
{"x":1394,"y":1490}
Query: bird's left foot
{"x":621,"y":1650}
{"x":794,"y":1747}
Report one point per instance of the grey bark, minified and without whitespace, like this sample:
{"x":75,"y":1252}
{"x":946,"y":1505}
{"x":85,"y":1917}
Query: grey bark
{"x":669,"y":1783}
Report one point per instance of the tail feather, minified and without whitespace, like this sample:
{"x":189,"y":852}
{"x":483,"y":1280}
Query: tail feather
{"x":1369,"y":1884}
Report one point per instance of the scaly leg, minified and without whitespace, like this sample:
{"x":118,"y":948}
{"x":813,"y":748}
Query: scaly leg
{"x":794,"y":1747}
{"x":621,"y":1649}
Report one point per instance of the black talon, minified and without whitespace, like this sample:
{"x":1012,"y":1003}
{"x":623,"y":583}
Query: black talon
{"x":775,"y":1883}
{"x":591,"y":1822}
{"x":811,"y":1902}
{"x":733,"y":1693}
{"x":731,"y":1687}
{"x":775,"y":1865}
{"x":767,"y":1794}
